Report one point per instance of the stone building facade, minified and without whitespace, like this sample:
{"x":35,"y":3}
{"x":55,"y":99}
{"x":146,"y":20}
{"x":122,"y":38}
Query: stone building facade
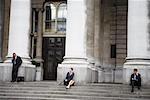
{"x":103,"y":40}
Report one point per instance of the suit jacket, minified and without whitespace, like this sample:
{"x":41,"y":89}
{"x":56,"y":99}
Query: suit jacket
{"x":17,"y":62}
{"x":69,"y":77}
{"x":138,"y":78}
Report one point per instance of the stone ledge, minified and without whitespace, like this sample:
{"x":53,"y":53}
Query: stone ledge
{"x":83,"y":73}
{"x":26,"y":70}
{"x":143,"y":69}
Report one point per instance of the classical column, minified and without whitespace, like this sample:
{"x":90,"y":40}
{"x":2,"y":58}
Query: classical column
{"x":98,"y":43}
{"x":39,"y":35}
{"x":38,"y":59}
{"x":98,"y":40}
{"x":1,"y":26}
{"x":138,"y":50}
{"x":90,"y":30}
{"x":19,"y":30}
{"x":75,"y":33}
{"x":90,"y":37}
{"x":75,"y":53}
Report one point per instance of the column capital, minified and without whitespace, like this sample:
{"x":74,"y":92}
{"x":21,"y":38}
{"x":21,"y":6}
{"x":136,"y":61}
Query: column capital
{"x":39,"y":9}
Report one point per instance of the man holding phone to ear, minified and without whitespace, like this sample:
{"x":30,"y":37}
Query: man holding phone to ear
{"x":16,"y":61}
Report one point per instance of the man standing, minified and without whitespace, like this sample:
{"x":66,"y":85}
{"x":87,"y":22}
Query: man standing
{"x":16,"y":61}
{"x":135,"y":79}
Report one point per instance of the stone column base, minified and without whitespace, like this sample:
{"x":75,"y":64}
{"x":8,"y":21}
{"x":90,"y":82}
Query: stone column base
{"x":38,"y":62}
{"x":143,"y":68}
{"x":94,"y":75}
{"x":110,"y":75}
{"x":101,"y":75}
{"x":118,"y":78}
{"x":39,"y":73}
{"x":26,"y":70}
{"x":83,"y":72}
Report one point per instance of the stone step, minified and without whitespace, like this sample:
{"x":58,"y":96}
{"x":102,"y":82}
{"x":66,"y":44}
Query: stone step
{"x":68,"y":92}
{"x":44,"y":98}
{"x":31,"y":98}
{"x":75,"y":88}
{"x":53,"y":91}
{"x":45,"y":84}
{"x":89,"y":92}
{"x":56,"y":83}
{"x":107,"y":97}
{"x":61,"y":88}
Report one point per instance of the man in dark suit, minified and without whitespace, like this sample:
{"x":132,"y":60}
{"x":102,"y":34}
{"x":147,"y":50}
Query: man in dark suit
{"x":16,"y":61}
{"x":135,"y":80}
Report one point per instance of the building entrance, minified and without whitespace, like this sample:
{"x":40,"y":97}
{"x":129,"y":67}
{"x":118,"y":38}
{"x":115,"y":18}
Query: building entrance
{"x":53,"y":53}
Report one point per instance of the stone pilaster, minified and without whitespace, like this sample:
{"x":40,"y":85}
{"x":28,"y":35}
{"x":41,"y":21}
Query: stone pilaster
{"x":97,"y":33}
{"x":90,"y":37}
{"x":38,"y":59}
{"x":138,"y":50}
{"x":1,"y":26}
{"x":90,"y":30}
{"x":98,"y":40}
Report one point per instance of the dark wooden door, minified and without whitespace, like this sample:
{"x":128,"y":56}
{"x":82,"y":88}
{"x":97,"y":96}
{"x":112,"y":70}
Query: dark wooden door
{"x":53,"y":53}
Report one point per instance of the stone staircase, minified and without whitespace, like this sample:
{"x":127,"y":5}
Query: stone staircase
{"x":53,"y":91}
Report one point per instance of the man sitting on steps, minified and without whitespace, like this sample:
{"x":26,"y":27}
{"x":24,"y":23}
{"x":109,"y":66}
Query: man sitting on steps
{"x":135,"y":80}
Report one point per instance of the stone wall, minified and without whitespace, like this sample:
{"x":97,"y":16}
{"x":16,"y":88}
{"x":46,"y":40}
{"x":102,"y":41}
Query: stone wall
{"x":115,"y":33}
{"x":119,"y":32}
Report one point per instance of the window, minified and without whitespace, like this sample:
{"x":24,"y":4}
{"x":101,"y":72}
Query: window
{"x":62,"y":14}
{"x":50,"y":17}
{"x":34,"y":21}
{"x":113,"y":51}
{"x":55,"y":17}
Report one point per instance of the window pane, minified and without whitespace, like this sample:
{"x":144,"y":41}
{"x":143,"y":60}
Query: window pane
{"x":50,"y":12}
{"x":61,"y":26}
{"x":62,"y":11}
{"x":62,"y":14}
{"x":113,"y":51}
{"x":50,"y":17}
{"x":34,"y":21}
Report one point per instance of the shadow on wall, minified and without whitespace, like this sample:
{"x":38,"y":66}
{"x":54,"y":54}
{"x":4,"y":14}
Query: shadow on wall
{"x":149,"y":24}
